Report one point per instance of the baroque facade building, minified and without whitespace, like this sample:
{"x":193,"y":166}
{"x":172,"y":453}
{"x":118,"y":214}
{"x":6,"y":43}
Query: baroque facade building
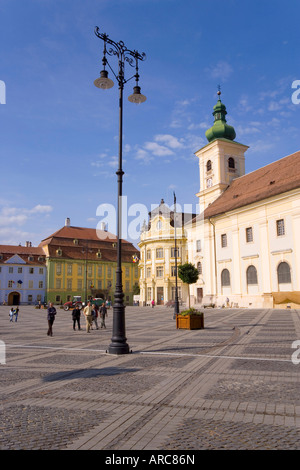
{"x":245,"y":241}
{"x":158,"y":255}
{"x":82,"y":262}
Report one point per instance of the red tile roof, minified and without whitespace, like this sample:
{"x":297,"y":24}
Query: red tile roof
{"x":89,"y":239}
{"x":7,"y":251}
{"x":270,"y":180}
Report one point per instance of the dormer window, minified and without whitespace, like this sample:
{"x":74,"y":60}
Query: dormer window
{"x":208,"y":165}
{"x":30,"y":258}
{"x":59,"y":252}
{"x":98,"y":254}
{"x":75,"y":241}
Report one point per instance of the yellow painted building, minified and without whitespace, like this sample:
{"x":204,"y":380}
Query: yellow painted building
{"x":82,"y":261}
{"x":158,"y":256}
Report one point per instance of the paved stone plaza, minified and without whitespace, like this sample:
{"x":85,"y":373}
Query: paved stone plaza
{"x":232,"y":385}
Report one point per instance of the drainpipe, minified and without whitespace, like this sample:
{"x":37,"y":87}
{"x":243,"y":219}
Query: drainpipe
{"x":215,"y":254}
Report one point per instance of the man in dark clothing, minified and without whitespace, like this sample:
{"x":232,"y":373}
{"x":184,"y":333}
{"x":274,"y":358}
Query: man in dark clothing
{"x":51,"y":318}
{"x":103,"y":313}
{"x":76,"y":317}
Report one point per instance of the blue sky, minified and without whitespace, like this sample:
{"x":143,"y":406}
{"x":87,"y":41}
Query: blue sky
{"x":59,"y":133}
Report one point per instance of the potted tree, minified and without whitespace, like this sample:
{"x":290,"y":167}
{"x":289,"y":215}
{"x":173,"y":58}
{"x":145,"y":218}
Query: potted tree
{"x":191,"y":318}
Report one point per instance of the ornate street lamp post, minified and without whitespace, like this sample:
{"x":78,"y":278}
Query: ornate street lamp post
{"x":176,"y":305}
{"x":119,"y":341}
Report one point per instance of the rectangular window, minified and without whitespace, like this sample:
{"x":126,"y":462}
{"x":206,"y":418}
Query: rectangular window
{"x":127,"y":288}
{"x":99,"y":271}
{"x":148,"y":272}
{"x":41,"y":270}
{"x":10,"y":284}
{"x":173,"y":270}
{"x":29,"y":298}
{"x":159,"y":271}
{"x":249,"y":234}
{"x":100,"y":284}
{"x":148,"y":254}
{"x":79,"y":269}
{"x":173,"y":252}
{"x":69,"y":269}
{"x":224,"y":240}
{"x":58,"y":269}
{"x":136,"y":272}
{"x":31,"y":270}
{"x":109,"y":284}
{"x":79,"y":284}
{"x":149,"y":293}
{"x":41,"y":284}
{"x":57,"y":299}
{"x":90,"y":271}
{"x":126,"y":271}
{"x":20,"y":270}
{"x":69,"y":284}
{"x":58,"y":283}
{"x":178,"y":292}
{"x":108,"y":271}
{"x":10,"y":270}
{"x":280,"y":227}
{"x":159,"y":252}
{"x":198,"y":245}
{"x":30,"y":284}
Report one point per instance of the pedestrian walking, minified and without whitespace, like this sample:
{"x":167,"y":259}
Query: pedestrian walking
{"x":94,"y":316}
{"x":11,"y":314}
{"x":51,"y":312}
{"x":16,"y":314}
{"x":76,"y":317}
{"x":152,"y":303}
{"x":103,"y":314}
{"x":88,"y":316}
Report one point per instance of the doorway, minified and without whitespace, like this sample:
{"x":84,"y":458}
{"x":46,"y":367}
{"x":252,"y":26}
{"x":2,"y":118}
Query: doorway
{"x":199,"y":295}
{"x":13,"y":298}
{"x":160,"y":295}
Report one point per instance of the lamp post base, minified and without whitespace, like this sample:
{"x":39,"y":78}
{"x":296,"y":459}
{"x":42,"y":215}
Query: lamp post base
{"x":117,"y":349}
{"x":118,"y":343}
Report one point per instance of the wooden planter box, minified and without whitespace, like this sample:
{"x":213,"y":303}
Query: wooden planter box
{"x":190,"y":322}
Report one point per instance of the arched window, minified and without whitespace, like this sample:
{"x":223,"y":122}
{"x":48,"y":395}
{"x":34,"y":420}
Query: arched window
{"x":199,"y":267}
{"x":283,"y":273}
{"x":251,"y":275}
{"x":225,"y":278}
{"x":208,"y":165}
{"x":231,"y":163}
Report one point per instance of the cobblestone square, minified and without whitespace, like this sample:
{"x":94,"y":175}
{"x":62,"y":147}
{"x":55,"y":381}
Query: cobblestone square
{"x":232,"y":385}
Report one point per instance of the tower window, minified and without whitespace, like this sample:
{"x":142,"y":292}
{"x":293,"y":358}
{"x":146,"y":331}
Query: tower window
{"x":208,"y":165}
{"x":231,"y":163}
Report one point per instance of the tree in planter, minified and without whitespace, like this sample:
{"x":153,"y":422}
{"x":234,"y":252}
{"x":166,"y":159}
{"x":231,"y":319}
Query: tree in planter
{"x":189,"y":274}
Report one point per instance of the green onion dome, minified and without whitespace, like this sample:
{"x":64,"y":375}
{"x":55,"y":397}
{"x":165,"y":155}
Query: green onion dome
{"x":220,"y":129}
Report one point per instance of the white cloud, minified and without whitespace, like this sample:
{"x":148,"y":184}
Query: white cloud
{"x":221,"y":70}
{"x":158,"y":150}
{"x":169,"y":140}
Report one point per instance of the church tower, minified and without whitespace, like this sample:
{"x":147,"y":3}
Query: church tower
{"x":221,"y":160}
